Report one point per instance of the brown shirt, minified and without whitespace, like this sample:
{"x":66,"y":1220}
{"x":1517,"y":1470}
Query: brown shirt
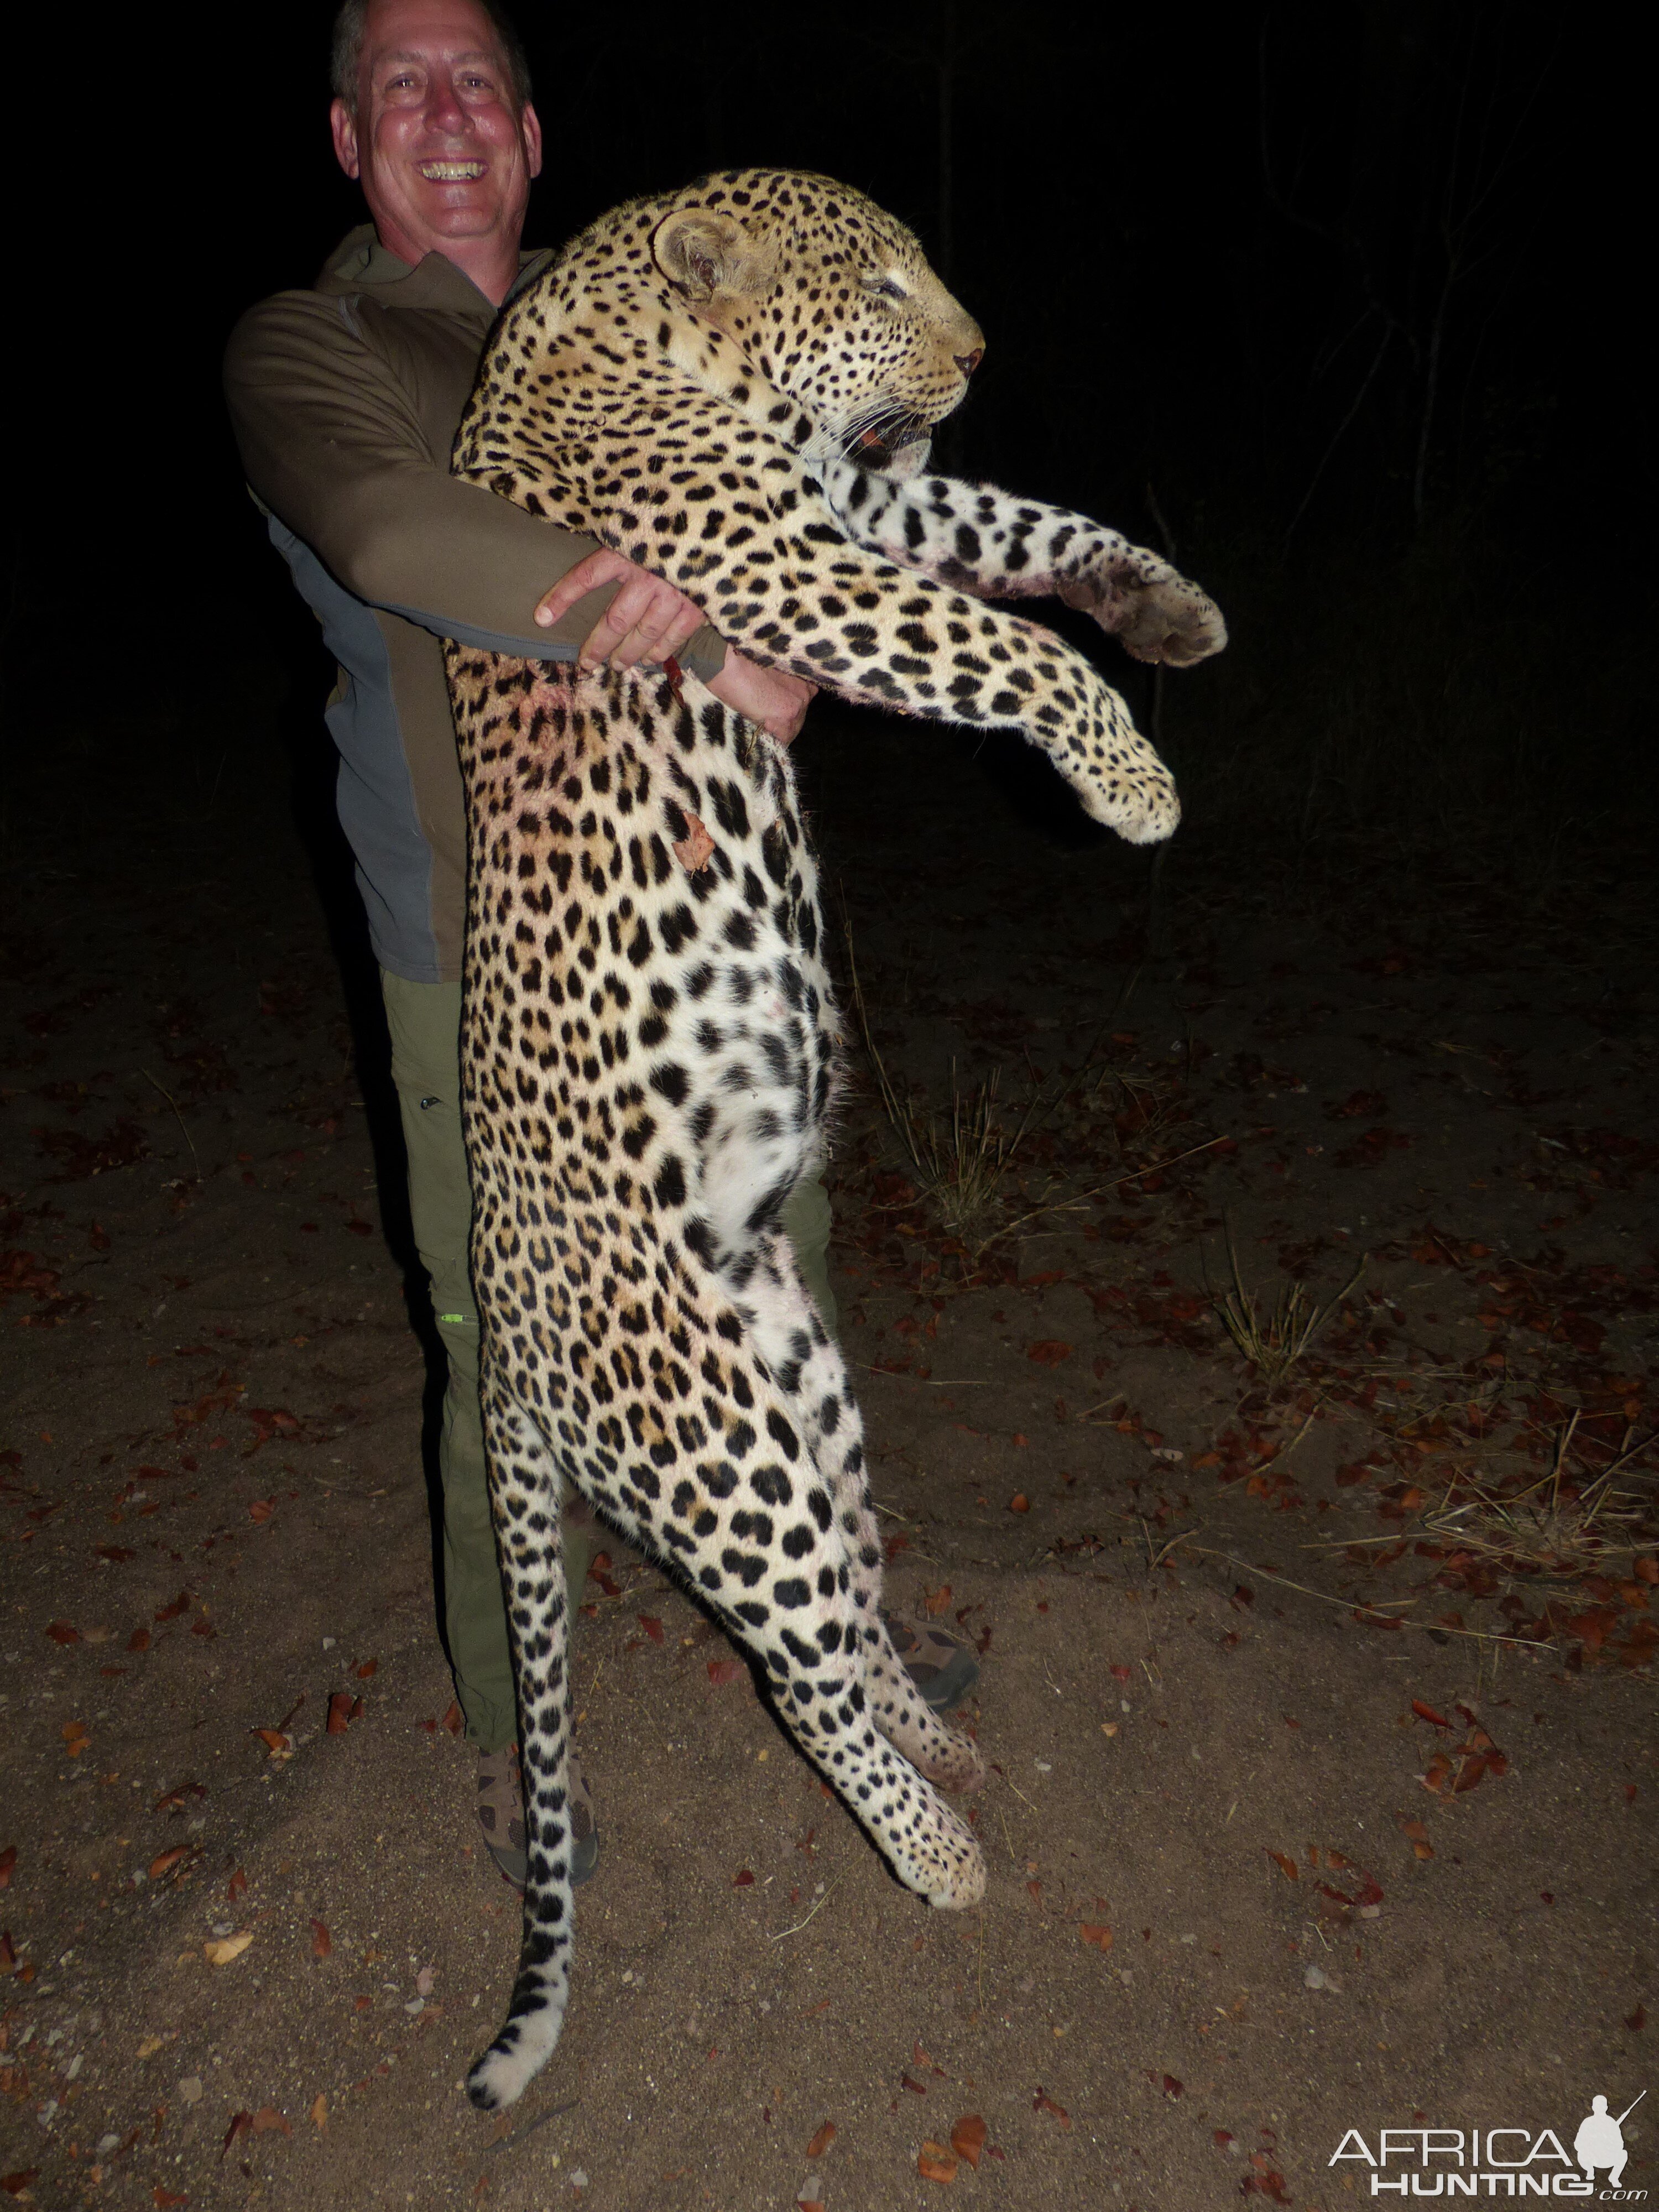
{"x":345,"y":402}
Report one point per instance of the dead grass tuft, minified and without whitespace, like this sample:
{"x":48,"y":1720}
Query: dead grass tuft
{"x":1275,"y":1338}
{"x":960,"y":1158}
{"x":1567,"y":1523}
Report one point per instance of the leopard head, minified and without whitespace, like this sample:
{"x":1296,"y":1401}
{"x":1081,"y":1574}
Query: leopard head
{"x":831,"y":301}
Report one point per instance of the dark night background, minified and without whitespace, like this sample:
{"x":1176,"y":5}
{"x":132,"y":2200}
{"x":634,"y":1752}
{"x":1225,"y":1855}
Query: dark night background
{"x":1344,"y":307}
{"x":1352,"y":290}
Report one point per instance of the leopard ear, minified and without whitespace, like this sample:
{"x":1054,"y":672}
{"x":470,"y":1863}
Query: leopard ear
{"x":703,"y":251}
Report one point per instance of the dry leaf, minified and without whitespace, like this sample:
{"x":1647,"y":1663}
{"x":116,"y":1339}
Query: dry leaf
{"x":15,"y":2183}
{"x":274,"y":1740}
{"x":652,"y":1626}
{"x":1428,"y":1713}
{"x":916,"y":2088}
{"x":268,"y":2119}
{"x":936,"y":1601}
{"x":162,"y":2199}
{"x":1019,"y":1503}
{"x":224,"y":1948}
{"x":1044,"y":2103}
{"x":821,"y":2141}
{"x":722,"y":1671}
{"x":1287,"y":1867}
{"x":139,"y":1640}
{"x":967,"y":2138}
{"x":61,"y":1632}
{"x":236,"y":1886}
{"x":1050,"y":1353}
{"x":241,"y":2124}
{"x":319,"y":2111}
{"x":159,"y":1865}
{"x":693,"y":851}
{"x":76,"y":1738}
{"x":339,"y":1712}
{"x":174,"y":1801}
{"x":1417,"y":1835}
{"x":151,"y":2044}
{"x":321,"y":1941}
{"x":743,"y":1879}
{"x":454,"y":1720}
{"x":8,"y":1861}
{"x":935,"y":2163}
{"x":181,"y":1605}
{"x":261,"y":1511}
{"x":1101,"y":1937}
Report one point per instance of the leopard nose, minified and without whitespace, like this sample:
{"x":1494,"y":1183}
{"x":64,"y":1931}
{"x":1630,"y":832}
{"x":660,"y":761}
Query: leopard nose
{"x":968,"y":363}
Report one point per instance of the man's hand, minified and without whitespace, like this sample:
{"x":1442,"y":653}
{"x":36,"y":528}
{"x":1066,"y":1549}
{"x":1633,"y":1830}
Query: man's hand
{"x":648,"y":620}
{"x":770,"y":697}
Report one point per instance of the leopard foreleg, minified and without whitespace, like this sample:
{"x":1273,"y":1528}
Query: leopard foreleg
{"x":998,"y":547}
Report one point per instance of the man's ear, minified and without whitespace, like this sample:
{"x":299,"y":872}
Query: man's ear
{"x":702,"y":251}
{"x":342,"y":127}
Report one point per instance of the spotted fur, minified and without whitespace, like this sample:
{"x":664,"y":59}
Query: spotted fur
{"x":734,"y":385}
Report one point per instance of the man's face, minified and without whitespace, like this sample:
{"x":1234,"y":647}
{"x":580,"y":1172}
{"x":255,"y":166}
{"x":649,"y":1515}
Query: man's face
{"x":441,"y":153}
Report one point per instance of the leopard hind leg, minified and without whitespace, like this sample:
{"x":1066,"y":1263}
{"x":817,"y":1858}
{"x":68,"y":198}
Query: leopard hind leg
{"x":524,"y":1494}
{"x":810,"y":1374}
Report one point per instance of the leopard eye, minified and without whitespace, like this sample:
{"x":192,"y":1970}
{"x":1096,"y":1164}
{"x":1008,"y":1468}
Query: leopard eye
{"x":885,"y":287}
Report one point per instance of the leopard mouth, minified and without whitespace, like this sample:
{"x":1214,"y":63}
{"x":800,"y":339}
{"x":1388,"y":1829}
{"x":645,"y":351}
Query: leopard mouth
{"x":878,"y":444}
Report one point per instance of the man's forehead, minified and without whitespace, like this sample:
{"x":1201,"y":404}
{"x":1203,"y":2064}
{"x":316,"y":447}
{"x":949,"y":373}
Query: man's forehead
{"x":427,"y":47}
{"x":416,"y":30}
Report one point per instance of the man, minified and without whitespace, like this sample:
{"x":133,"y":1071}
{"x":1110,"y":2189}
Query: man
{"x":345,"y":401}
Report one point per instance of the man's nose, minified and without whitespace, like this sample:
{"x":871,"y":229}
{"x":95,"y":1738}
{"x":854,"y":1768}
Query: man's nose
{"x":444,"y":110}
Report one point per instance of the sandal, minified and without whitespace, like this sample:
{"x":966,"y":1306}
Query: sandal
{"x":500,"y":1815}
{"x":942,"y":1666}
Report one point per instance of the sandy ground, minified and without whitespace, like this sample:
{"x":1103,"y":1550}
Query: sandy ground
{"x":1319,"y":1715}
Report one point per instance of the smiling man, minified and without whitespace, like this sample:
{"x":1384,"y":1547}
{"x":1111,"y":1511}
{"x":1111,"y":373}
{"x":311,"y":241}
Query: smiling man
{"x":345,"y":400}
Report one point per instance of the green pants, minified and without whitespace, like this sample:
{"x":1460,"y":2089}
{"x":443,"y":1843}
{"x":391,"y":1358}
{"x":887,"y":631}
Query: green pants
{"x":425,"y":1020}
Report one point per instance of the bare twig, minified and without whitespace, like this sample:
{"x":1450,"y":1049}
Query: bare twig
{"x":177,"y":1116}
{"x":522,"y":2135}
{"x":800,"y":1925}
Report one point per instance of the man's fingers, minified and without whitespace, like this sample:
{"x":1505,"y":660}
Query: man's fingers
{"x":770,"y":697}
{"x":655,"y":621}
{"x":647,"y":619}
{"x":589,"y":575}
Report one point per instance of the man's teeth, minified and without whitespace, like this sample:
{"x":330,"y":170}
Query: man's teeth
{"x":450,"y":172}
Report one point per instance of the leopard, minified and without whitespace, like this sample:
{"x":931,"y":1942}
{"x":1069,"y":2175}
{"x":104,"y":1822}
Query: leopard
{"x":735,"y":386}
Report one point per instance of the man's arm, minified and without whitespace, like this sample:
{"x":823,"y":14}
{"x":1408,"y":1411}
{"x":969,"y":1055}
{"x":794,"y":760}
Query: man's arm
{"x":332,"y":445}
{"x":771,"y":696}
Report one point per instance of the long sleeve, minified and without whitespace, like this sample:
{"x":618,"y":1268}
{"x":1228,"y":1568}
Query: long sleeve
{"x":339,"y":444}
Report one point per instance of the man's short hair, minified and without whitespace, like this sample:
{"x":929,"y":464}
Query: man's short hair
{"x":352,"y":22}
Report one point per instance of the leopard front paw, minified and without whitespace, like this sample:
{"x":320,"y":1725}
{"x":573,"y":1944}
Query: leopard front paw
{"x":1155,"y":613}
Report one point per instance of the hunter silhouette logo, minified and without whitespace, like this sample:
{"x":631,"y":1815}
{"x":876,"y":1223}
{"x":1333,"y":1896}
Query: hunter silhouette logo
{"x":1453,"y":2162}
{"x":1600,"y":2141}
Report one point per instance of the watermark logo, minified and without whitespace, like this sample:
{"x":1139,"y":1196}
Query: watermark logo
{"x":1457,"y":2162}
